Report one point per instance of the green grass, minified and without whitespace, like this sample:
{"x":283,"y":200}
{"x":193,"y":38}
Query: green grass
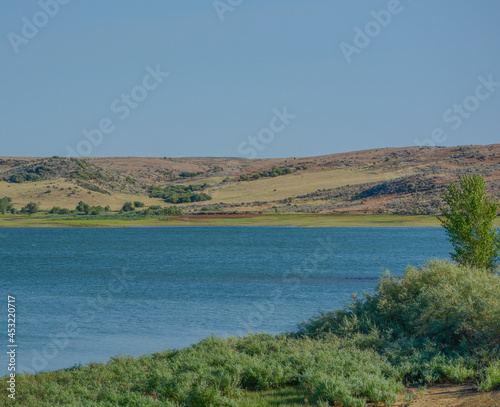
{"x":438,"y":323}
{"x":286,"y":397}
{"x":298,"y":220}
{"x":295,"y":184}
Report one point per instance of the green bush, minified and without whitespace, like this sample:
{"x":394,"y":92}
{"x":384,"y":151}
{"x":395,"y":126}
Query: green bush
{"x":31,"y":208}
{"x":458,"y":371}
{"x":96,"y":210}
{"x":491,"y":377}
{"x":180,"y":193}
{"x":454,"y":306}
{"x":128,"y":207}
{"x":171,"y":210}
{"x":89,"y":210}
{"x":273,"y":172}
{"x":188,"y":174}
{"x":83,"y":207}
{"x":31,"y":174}
{"x":157,"y":210}
{"x":59,"y":211}
{"x":55,"y":210}
{"x":5,"y":205}
{"x":138,"y":204}
{"x":438,"y":321}
{"x":87,"y":175}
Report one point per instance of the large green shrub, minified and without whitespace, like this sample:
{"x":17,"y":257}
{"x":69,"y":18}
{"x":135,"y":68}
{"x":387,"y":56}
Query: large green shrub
{"x":457,"y":308}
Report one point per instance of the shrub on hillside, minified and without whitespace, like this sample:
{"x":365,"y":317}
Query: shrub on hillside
{"x":83,"y":207}
{"x":180,"y":193}
{"x":30,"y":208}
{"x":90,"y":210}
{"x":96,"y":210}
{"x":128,"y":207}
{"x":5,"y":205}
{"x":30,"y":174}
{"x":56,"y":210}
{"x":273,"y":172}
{"x":87,"y":175}
{"x":187,"y":174}
{"x":159,"y":211}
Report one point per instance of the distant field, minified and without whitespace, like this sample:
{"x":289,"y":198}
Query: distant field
{"x":302,"y":220}
{"x":57,"y":193}
{"x":65,"y":194}
{"x":298,"y":183}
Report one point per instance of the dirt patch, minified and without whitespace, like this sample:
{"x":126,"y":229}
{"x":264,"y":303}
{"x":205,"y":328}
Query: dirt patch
{"x":448,"y":395}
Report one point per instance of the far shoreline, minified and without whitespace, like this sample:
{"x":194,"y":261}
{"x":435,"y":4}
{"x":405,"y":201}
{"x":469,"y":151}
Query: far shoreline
{"x":244,"y":219}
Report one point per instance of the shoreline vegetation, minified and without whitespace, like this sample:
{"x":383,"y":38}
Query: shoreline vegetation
{"x":437,"y":324}
{"x":214,"y":219}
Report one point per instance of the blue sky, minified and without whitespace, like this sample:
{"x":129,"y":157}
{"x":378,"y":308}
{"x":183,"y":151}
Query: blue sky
{"x":252,"y":79}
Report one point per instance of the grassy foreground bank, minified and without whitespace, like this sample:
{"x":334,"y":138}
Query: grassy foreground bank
{"x":438,"y":323}
{"x":298,"y":220}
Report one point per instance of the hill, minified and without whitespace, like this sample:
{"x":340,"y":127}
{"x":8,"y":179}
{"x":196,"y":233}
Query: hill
{"x":407,"y":180}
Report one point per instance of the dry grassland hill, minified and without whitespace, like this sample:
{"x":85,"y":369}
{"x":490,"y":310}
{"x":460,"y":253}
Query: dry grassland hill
{"x":408,"y":180}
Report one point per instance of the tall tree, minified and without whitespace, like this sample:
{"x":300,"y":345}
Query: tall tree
{"x":5,"y":204}
{"x":469,"y":223}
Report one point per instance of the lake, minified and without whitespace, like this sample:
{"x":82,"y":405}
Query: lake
{"x":86,"y":294}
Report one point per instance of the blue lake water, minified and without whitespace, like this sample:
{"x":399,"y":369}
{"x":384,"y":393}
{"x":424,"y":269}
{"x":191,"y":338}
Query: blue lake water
{"x":87,"y":294}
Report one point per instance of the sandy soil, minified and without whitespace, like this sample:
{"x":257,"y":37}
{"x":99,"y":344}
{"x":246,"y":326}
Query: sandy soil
{"x":446,"y":395}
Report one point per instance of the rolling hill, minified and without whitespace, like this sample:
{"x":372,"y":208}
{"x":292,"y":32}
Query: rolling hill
{"x":409,"y":180}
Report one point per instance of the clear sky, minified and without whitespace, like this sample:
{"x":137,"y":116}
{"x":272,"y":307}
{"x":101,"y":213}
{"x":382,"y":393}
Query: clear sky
{"x":246,"y":78}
